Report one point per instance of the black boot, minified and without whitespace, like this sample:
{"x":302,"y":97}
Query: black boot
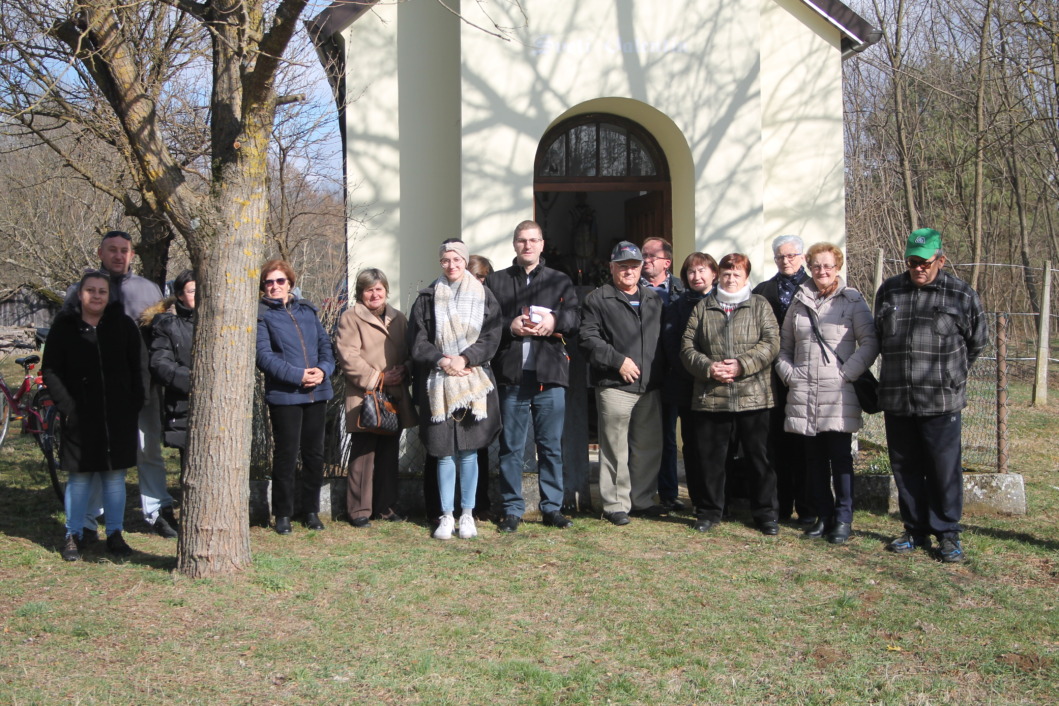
{"x":840,"y":533}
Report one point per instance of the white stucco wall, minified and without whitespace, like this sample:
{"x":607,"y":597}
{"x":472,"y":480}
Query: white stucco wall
{"x":802,"y":134}
{"x":744,"y":98}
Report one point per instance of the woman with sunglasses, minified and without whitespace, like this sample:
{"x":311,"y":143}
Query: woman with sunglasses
{"x":828,"y":340}
{"x":294,"y":352}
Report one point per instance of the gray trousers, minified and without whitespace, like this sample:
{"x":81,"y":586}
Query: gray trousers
{"x":630,"y":448}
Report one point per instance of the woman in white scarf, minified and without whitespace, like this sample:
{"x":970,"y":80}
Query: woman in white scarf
{"x":455,"y":330}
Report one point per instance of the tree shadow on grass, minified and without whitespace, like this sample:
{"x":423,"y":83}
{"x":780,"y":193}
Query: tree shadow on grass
{"x":35,"y":514}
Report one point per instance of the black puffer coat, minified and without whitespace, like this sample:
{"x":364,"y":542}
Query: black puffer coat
{"x":170,"y":360}
{"x":97,"y":377}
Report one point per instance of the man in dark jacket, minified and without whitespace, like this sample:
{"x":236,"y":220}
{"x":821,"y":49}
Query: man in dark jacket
{"x":658,"y":275}
{"x":620,"y":329}
{"x":787,"y":450}
{"x":539,"y":309}
{"x":136,"y":293}
{"x":931,"y":330}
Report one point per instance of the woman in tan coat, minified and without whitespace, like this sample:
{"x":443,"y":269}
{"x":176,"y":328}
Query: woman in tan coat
{"x":371,"y":347}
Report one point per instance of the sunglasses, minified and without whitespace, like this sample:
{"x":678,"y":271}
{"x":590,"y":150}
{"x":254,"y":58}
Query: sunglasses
{"x":915,"y":263}
{"x":279,"y":282}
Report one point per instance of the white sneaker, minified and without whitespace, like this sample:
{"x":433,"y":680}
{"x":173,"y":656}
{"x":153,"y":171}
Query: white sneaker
{"x":444,"y":530}
{"x":467,"y":527}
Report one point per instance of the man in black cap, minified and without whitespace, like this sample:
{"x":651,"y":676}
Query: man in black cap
{"x":620,"y":327}
{"x":931,"y":329}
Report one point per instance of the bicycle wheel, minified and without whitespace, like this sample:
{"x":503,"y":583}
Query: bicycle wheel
{"x":49,"y":439}
{"x":5,"y":417}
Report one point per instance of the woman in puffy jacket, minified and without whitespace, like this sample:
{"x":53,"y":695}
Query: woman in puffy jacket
{"x":170,"y":359}
{"x":828,"y":341}
{"x":294,"y":352}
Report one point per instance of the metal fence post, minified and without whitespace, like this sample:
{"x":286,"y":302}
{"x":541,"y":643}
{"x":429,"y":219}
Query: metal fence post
{"x":1002,"y":392}
{"x":1040,"y":383}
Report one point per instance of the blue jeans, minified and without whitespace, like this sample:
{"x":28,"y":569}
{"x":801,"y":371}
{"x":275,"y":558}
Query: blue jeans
{"x":668,"y":485}
{"x":468,"y":462}
{"x":150,"y":466}
{"x":547,"y":408}
{"x":78,"y":489}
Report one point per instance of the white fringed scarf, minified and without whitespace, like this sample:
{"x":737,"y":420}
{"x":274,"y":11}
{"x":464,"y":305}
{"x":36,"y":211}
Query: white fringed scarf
{"x":458,"y":315}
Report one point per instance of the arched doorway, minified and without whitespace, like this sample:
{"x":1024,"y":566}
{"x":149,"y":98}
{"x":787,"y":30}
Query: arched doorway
{"x":599,"y":178}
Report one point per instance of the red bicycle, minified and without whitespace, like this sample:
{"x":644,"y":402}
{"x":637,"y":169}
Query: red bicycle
{"x":31,"y":405}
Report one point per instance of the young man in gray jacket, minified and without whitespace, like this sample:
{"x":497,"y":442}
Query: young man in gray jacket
{"x":931,"y":329}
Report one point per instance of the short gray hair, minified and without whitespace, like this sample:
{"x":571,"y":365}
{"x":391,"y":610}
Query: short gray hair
{"x":784,"y":239}
{"x":368,"y":278}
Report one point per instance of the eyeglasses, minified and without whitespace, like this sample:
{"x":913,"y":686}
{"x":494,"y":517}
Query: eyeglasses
{"x":655,"y":256}
{"x":918,"y":263}
{"x":822,"y":268}
{"x":279,"y":282}
{"x":788,"y":258}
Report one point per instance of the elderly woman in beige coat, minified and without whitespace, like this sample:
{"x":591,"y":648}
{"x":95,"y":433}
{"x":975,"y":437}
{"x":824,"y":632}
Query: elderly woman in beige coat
{"x":828,"y":340}
{"x":371,"y":346}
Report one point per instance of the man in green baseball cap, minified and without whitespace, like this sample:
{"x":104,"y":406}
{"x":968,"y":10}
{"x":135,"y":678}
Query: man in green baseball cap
{"x":931,"y":329}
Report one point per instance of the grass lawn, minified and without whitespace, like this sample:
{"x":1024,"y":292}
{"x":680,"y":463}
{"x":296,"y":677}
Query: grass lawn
{"x":651,"y":613}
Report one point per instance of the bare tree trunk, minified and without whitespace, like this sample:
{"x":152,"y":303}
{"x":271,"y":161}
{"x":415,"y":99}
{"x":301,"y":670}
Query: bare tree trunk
{"x":894,"y":50}
{"x":979,"y":141}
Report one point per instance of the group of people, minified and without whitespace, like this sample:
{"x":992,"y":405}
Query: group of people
{"x":761,"y":380}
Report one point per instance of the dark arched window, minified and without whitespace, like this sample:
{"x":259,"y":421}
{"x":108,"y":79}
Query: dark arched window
{"x":599,"y":147}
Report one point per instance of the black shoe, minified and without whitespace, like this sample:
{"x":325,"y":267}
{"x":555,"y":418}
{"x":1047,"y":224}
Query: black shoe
{"x":116,"y":545}
{"x":703,"y":525}
{"x":651,"y":511}
{"x":391,"y":516}
{"x":816,"y":531}
{"x":71,"y":550}
{"x":510,"y":523}
{"x":807,"y":521}
{"x":360,"y":522}
{"x":672,"y":505}
{"x":840,"y":533}
{"x":89,"y":537}
{"x":557,"y":519}
{"x":283,"y":525}
{"x":618,"y":518}
{"x":770,"y":528}
{"x":167,"y":513}
{"x":950,"y":550}
{"x":312,"y":521}
{"x":908,"y":543}
{"x":163,"y":529}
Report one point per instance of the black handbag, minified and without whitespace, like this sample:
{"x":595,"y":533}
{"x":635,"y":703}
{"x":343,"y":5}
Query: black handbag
{"x":866,"y":386}
{"x":378,"y":414}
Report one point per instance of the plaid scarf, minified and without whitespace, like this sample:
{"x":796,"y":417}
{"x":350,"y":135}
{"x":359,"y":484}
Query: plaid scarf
{"x":459,"y":310}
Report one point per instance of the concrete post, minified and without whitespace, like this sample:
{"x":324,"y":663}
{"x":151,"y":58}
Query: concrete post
{"x":1040,"y":384}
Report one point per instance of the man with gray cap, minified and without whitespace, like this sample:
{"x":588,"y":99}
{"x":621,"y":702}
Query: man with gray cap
{"x":787,"y":450}
{"x":620,"y":327}
{"x":931,"y":329}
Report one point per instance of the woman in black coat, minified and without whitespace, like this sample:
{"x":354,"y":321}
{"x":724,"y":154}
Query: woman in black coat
{"x":95,"y":367}
{"x":170,"y":360}
{"x":454,"y":331}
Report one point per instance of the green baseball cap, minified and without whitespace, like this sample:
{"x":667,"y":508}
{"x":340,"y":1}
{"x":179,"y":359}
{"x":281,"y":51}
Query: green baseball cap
{"x":923,"y":243}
